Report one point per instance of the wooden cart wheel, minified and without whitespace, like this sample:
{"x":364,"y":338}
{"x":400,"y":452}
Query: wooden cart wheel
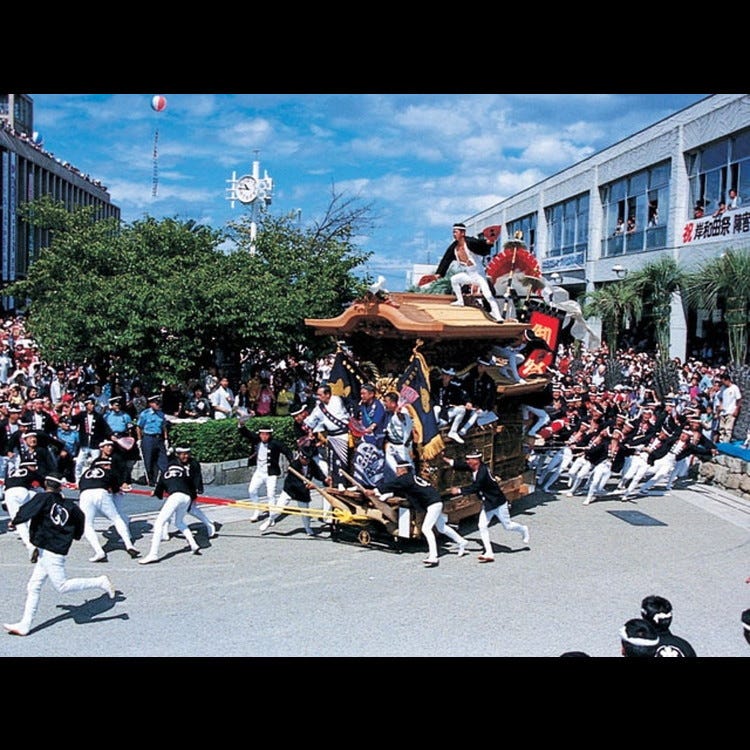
{"x":364,"y":537}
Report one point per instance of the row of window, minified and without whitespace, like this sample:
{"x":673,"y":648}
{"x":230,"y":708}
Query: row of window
{"x":635,"y":207}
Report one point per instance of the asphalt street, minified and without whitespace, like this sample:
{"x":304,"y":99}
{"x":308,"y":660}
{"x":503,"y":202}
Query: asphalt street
{"x":283,"y":594}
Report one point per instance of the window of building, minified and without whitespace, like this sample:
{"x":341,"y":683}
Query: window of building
{"x":568,"y":226}
{"x":635,"y":209}
{"x":717,"y":169}
{"x":527,"y":226}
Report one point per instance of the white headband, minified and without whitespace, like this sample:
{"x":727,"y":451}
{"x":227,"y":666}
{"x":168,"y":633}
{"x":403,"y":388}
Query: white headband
{"x":637,"y":641}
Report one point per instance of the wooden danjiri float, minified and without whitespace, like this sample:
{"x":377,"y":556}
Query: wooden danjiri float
{"x":400,"y":341}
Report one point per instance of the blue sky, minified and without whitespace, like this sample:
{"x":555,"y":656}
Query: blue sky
{"x":421,"y":161}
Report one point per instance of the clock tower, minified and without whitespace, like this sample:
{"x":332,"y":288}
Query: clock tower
{"x":253,"y":191}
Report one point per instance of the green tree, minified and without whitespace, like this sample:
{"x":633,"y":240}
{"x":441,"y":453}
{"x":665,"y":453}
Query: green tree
{"x":104,"y":293}
{"x":657,"y":282}
{"x":727,"y":279}
{"x":293,"y":274}
{"x":616,"y":304}
{"x":160,"y":296}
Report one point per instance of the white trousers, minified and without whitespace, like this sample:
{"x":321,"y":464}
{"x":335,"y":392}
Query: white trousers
{"x":456,"y":415}
{"x":502,"y":513}
{"x":664,"y":467}
{"x":277,"y":508}
{"x":542,"y":418}
{"x":640,"y":468}
{"x":627,"y":463}
{"x":435,"y":519}
{"x":197,"y":512}
{"x":514,"y":358}
{"x":259,"y":479}
{"x":15,"y":497}
{"x":600,"y":475}
{"x":51,"y":565}
{"x":175,"y":505}
{"x":580,"y":470}
{"x":555,"y":466}
{"x":99,"y":502}
{"x":474,"y":277}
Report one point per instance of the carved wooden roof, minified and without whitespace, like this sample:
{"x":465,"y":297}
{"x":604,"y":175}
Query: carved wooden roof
{"x":410,"y":315}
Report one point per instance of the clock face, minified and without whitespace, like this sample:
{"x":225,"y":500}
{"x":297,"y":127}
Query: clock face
{"x":246,"y":189}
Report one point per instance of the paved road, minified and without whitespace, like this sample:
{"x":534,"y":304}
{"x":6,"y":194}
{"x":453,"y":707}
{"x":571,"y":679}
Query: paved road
{"x":283,"y":594}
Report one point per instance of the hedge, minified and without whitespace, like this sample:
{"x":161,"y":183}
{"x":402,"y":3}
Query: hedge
{"x":219,"y":440}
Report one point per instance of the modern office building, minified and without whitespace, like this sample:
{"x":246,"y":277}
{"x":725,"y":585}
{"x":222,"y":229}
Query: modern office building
{"x":654,"y":193}
{"x":28,"y":171}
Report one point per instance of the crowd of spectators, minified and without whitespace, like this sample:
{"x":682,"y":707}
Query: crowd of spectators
{"x":606,"y":419}
{"x":265,"y":386}
{"x":699,"y":388}
{"x":268,"y":386}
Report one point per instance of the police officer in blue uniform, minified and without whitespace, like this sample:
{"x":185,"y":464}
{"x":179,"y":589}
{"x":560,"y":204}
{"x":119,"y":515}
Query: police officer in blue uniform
{"x":119,"y":421}
{"x":153,"y":432}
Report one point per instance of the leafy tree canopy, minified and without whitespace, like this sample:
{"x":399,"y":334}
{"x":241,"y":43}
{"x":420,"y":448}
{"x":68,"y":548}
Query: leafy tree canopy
{"x":159,"y":297}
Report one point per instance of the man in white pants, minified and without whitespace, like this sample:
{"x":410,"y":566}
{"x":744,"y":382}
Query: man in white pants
{"x":398,"y":432}
{"x":467,"y":253}
{"x":423,"y":497}
{"x":54,"y":522}
{"x":194,"y":467}
{"x":297,"y":486}
{"x":266,"y":457}
{"x":97,"y":486}
{"x":494,"y":501}
{"x":451,"y":404}
{"x":330,"y":416}
{"x":178,"y":485}
{"x":21,"y":485}
{"x":602,"y":470}
{"x":643,"y":465}
{"x":513,"y":358}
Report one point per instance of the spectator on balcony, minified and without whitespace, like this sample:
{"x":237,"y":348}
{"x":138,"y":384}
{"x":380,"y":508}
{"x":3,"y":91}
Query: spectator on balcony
{"x":631,"y":225}
{"x":734,"y":200}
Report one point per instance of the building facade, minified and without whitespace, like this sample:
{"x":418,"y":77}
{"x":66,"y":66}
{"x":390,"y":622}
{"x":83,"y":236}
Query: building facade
{"x":29,"y":171}
{"x":658,"y":192}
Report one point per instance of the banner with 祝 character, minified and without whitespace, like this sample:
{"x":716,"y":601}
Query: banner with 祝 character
{"x":416,"y":378}
{"x":731,"y":225}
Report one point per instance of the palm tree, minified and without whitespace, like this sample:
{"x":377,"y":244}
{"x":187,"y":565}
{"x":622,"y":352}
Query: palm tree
{"x":656,"y":283}
{"x":728,"y":277}
{"x":615,"y":304}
